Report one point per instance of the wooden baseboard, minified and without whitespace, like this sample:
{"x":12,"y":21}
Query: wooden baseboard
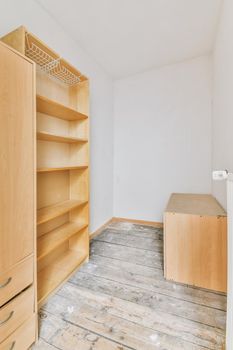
{"x":97,"y":232}
{"x":140,"y":222}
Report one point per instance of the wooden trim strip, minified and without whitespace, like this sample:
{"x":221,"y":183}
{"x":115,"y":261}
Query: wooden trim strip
{"x":100,"y":229}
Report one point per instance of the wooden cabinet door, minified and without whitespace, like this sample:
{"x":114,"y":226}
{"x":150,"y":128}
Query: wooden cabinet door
{"x":17,"y":205}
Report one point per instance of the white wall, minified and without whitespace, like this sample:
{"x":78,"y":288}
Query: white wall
{"x":223,"y":99}
{"x":14,"y":13}
{"x":162,"y":133}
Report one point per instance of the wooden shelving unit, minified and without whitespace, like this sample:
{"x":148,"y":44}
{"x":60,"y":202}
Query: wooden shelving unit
{"x":62,"y":104}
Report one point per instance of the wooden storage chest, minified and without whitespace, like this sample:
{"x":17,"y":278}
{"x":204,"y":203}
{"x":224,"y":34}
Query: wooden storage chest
{"x":195,"y":241}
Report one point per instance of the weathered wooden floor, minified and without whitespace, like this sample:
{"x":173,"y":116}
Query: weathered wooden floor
{"x":120,"y":300}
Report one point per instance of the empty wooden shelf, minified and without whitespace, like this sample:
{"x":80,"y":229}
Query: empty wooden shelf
{"x":55,"y":109}
{"x":45,"y":170}
{"x":53,"y":211}
{"x":46,"y":136}
{"x":51,"y":276}
{"x":51,"y":240}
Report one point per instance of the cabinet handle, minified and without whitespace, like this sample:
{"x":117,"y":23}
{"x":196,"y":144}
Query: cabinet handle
{"x":6,"y":283}
{"x":7,"y":319}
{"x":12,"y":346}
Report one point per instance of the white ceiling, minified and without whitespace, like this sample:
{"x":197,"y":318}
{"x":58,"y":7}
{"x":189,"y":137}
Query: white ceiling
{"x":130,"y":36}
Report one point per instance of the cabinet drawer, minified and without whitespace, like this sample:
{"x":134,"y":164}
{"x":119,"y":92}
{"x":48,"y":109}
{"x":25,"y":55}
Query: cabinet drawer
{"x":16,"y":312}
{"x":22,"y":338}
{"x":15,"y":280}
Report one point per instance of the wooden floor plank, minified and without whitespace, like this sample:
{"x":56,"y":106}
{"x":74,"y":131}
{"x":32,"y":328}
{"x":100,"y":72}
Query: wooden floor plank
{"x":121,"y":301}
{"x":129,"y":240}
{"x":43,"y":345}
{"x":101,"y":306}
{"x":126,"y":333}
{"x":150,"y":279}
{"x":155,"y":301}
{"x":135,"y":255}
{"x":146,"y":231}
{"x":67,"y":336}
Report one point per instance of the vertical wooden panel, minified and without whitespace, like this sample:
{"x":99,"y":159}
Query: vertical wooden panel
{"x":16,"y":158}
